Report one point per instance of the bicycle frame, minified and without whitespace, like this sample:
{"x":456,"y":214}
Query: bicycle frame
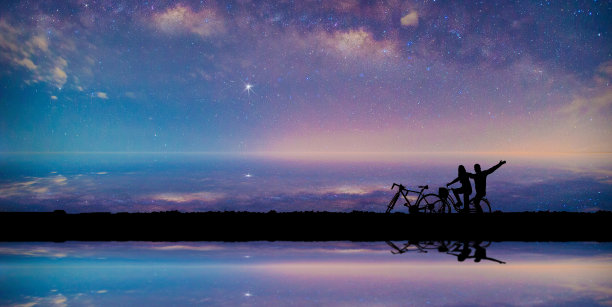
{"x":461,"y":249}
{"x":452,"y":202}
{"x":404,"y":192}
{"x":400,"y":250}
{"x":450,"y":199}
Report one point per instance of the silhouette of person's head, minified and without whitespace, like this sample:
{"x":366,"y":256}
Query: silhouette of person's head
{"x":477,"y":168}
{"x":461,"y":170}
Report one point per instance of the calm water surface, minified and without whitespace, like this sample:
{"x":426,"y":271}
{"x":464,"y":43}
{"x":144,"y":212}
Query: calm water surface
{"x":305,"y":274}
{"x":192,"y":182}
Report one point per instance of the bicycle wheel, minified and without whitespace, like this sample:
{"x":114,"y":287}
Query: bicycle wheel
{"x":431,"y":203}
{"x":440,"y":206}
{"x":450,"y":204}
{"x":484,"y":204}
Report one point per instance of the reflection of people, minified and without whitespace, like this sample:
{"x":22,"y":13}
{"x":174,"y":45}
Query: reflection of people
{"x":480,"y":182}
{"x":465,"y":189}
{"x":465,"y":252}
{"x":461,"y":250}
{"x":481,"y":253}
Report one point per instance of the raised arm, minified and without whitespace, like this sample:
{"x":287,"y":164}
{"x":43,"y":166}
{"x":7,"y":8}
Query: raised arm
{"x":456,"y":179}
{"x":494,"y":168}
{"x":493,"y":259}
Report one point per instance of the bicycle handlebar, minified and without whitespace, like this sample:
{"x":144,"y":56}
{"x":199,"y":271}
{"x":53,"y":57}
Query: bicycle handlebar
{"x":424,"y":187}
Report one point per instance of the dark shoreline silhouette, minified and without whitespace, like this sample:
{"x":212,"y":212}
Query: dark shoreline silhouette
{"x":303,"y":226}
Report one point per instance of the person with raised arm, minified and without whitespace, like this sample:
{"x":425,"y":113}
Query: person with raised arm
{"x":480,"y":182}
{"x":481,"y":253}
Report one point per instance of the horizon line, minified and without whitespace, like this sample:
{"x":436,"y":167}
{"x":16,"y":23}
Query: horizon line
{"x":304,"y":153}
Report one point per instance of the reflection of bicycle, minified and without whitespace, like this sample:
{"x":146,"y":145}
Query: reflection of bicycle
{"x":462,"y":250}
{"x":423,"y":203}
{"x":419,"y":246}
{"x":406,"y":248}
{"x":446,"y":202}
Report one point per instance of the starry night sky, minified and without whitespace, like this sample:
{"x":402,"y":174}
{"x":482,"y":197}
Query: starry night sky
{"x":151,"y":85}
{"x":305,"y":76}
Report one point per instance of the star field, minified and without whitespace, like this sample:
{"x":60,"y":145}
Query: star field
{"x":306,"y":76}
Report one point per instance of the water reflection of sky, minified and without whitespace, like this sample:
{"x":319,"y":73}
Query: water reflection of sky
{"x":289,"y":273}
{"x":157,"y":182}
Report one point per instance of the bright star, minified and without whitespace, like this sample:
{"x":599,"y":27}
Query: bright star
{"x":248,"y":294}
{"x":248,"y":88}
{"x":248,"y":175}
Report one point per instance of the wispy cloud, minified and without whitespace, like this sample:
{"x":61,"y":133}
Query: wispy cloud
{"x":34,"y":252}
{"x":358,"y":43}
{"x":55,"y":300}
{"x":36,"y":187}
{"x":179,"y":197}
{"x":410,"y":20}
{"x":182,"y":19}
{"x":58,"y":75}
{"x":197,"y":247}
{"x":589,"y":107}
{"x":36,"y":54}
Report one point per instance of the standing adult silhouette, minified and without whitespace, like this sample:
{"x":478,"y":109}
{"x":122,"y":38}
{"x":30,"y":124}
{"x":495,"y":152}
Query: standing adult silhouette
{"x":480,"y":182}
{"x":465,"y":189}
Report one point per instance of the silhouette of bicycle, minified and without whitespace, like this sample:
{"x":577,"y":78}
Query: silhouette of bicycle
{"x":461,"y":249}
{"x":421,"y":246}
{"x":423,"y":203}
{"x":446,"y":202}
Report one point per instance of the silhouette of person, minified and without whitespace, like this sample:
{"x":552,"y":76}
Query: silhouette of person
{"x":465,"y":252}
{"x":480,"y":182}
{"x":465,"y":189}
{"x":462,"y":251}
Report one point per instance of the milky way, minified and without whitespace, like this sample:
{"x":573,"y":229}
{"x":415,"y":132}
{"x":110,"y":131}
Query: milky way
{"x":305,"y":76}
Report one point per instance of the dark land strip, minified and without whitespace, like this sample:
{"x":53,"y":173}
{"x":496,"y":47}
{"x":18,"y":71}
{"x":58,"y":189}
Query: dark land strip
{"x":303,"y":226}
